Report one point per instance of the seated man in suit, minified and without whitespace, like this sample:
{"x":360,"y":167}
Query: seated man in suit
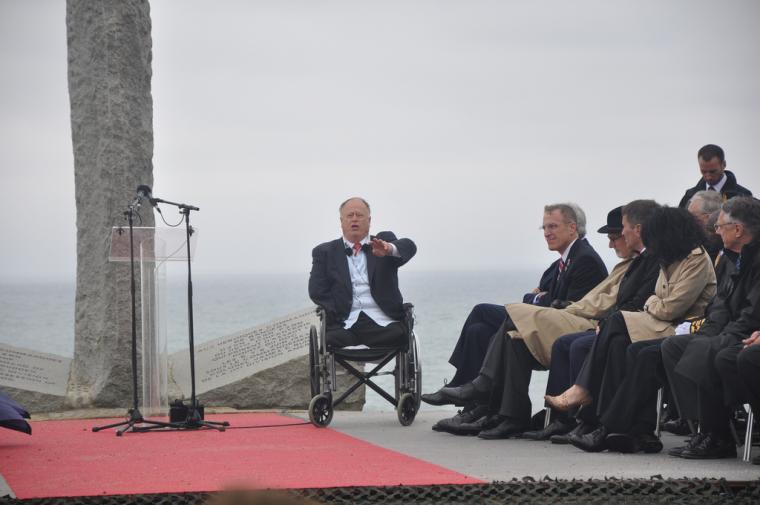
{"x":715,"y":177}
{"x":355,"y":279}
{"x":701,"y":368}
{"x":748,"y":370}
{"x":568,"y":279}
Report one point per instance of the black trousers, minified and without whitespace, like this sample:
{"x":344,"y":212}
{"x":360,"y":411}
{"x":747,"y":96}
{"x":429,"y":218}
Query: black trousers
{"x":568,"y":355}
{"x":748,"y":364}
{"x":470,"y":350}
{"x":735,"y":391}
{"x":367,"y":332}
{"x":604,"y":368}
{"x":509,"y":364}
{"x":702,"y":402}
{"x":633,"y":408}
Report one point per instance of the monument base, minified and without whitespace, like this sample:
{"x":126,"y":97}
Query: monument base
{"x":284,"y":386}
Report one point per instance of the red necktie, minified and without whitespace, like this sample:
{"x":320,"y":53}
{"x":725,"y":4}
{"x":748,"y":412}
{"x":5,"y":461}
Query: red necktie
{"x":357,"y":248}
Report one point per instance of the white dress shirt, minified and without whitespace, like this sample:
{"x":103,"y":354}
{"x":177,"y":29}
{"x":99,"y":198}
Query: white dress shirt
{"x":719,"y":185}
{"x":363,"y":300}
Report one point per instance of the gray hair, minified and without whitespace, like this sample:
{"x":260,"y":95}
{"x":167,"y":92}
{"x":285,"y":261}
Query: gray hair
{"x":571,"y":212}
{"x":369,"y":211}
{"x":710,"y":201}
{"x":744,"y":210}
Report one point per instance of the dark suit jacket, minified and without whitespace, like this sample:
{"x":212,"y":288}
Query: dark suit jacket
{"x":638,"y":283}
{"x":584,"y":270}
{"x":732,"y":316}
{"x":330,"y":280}
{"x":729,"y":190}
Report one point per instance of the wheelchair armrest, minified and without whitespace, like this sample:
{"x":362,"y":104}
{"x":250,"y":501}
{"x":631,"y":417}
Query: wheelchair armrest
{"x":321,"y":312}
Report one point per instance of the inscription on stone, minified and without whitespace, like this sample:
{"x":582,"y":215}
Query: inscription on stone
{"x":229,"y":359}
{"x":33,"y":371}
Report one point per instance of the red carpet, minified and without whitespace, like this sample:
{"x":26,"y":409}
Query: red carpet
{"x":64,"y":458}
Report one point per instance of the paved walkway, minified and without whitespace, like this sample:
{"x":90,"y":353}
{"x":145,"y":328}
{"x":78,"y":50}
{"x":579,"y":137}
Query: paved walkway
{"x":501,"y":460}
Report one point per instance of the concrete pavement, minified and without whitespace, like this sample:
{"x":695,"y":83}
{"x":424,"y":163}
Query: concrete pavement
{"x":501,"y":460}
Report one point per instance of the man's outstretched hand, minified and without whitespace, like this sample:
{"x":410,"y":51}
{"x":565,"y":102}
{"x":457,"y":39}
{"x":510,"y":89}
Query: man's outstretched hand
{"x":381,"y":248}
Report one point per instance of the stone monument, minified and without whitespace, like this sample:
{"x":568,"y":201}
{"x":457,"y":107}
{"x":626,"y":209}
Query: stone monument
{"x":109,"y":73}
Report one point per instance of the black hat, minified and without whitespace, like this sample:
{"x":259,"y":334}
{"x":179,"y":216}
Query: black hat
{"x":614,"y":221}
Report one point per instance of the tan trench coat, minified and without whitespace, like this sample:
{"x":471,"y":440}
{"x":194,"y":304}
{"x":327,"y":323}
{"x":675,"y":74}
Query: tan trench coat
{"x":541,"y":326}
{"x":682,"y":292}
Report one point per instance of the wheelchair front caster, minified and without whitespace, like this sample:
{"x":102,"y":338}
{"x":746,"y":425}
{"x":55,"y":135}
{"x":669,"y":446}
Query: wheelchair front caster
{"x":320,"y":410}
{"x":406,"y":409}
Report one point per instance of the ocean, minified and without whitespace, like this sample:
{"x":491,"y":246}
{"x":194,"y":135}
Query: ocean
{"x":40,"y":315}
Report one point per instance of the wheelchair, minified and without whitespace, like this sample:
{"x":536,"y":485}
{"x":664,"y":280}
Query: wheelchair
{"x":407,"y":372}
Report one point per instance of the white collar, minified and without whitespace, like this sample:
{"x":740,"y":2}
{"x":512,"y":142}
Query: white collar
{"x":719,"y":185}
{"x":567,"y":251}
{"x":363,"y":241}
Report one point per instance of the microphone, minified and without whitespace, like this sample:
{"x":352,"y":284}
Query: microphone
{"x":145,"y":192}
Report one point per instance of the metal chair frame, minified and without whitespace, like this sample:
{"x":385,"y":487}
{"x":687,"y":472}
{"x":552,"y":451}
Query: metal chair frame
{"x":323,"y":377}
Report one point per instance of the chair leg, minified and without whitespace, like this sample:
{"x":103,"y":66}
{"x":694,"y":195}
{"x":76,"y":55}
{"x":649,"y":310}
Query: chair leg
{"x":748,"y":436}
{"x":548,"y":417}
{"x":658,"y":429}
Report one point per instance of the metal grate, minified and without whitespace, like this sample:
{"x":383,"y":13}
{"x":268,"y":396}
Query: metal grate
{"x":525,"y":491}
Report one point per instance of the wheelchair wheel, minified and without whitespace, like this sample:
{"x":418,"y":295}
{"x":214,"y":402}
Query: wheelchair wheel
{"x":415,"y":367}
{"x":314,"y":362}
{"x":412,"y":382}
{"x":406,"y":409}
{"x":320,"y":410}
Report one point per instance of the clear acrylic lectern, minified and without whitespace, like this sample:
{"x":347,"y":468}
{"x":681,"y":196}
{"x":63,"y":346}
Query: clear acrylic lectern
{"x":154,"y":247}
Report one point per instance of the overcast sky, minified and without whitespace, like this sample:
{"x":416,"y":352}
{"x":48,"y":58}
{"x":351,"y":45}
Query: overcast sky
{"x":458,"y":121}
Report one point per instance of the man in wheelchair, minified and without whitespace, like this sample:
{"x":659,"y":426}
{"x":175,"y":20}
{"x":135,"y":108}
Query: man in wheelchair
{"x":355,"y":280}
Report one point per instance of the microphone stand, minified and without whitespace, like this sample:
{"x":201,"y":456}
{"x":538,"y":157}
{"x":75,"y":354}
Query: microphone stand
{"x":194,"y":419}
{"x":134,"y":416}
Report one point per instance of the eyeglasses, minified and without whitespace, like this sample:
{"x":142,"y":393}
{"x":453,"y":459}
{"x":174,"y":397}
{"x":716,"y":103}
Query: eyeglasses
{"x":613,"y":238}
{"x":717,"y":226}
{"x":552,"y":227}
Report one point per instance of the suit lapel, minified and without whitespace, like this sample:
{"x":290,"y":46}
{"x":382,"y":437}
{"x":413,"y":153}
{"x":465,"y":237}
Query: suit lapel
{"x":568,"y":265}
{"x":371,"y":263}
{"x":341,"y":263}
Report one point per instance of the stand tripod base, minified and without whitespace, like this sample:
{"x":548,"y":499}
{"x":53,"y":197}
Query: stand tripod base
{"x":190,"y":417}
{"x":134,"y":417}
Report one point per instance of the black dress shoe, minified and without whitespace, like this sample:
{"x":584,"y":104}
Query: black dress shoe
{"x":436,"y":398}
{"x":478,"y":425}
{"x":557,"y":427}
{"x":590,"y":442}
{"x":676,"y":427}
{"x":505,"y":429}
{"x":464,"y":394}
{"x":650,"y":443}
{"x":468,"y":415}
{"x":581,"y":429}
{"x":630,"y":444}
{"x":696,"y":439}
{"x":711,"y":447}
